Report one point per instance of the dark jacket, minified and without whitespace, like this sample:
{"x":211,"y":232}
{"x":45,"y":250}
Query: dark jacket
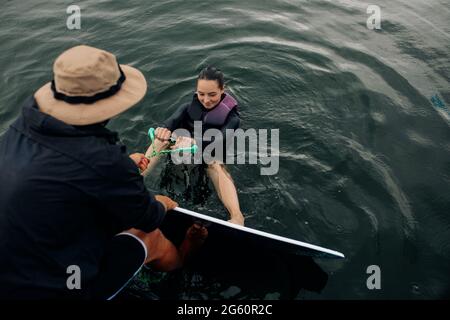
{"x":64,"y":193}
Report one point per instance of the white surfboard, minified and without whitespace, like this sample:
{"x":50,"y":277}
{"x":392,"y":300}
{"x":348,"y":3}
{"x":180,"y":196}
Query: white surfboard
{"x":262,"y":238}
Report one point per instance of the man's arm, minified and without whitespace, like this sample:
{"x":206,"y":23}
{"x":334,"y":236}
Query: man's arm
{"x":124,"y":197}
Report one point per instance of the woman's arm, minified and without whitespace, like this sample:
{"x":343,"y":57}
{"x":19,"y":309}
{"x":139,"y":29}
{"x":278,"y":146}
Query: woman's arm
{"x":163,"y":135}
{"x":233,"y":121}
{"x":175,"y":120}
{"x":161,"y":142}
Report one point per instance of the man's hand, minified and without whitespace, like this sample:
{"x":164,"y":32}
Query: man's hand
{"x":168,"y":203}
{"x":140,"y":160}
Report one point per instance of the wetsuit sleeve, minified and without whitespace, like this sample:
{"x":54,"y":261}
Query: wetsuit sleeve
{"x":127,"y":201}
{"x":175,"y":120}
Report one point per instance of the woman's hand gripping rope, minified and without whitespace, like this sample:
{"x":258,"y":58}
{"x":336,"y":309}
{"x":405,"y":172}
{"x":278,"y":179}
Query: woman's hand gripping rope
{"x":161,"y":139}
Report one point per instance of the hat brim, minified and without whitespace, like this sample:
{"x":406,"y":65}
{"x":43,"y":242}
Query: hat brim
{"x":131,"y":92}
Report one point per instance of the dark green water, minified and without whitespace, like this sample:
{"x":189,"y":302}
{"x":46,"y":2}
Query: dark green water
{"x":364,"y":152}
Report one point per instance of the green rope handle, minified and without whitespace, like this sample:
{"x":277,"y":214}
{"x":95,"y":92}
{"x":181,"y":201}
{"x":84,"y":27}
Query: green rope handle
{"x":151,"y":134}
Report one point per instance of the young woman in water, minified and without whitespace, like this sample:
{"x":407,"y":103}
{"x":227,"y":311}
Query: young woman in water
{"x":215,"y":109}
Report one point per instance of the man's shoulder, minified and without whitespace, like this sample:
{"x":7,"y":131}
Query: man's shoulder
{"x":113,"y":163}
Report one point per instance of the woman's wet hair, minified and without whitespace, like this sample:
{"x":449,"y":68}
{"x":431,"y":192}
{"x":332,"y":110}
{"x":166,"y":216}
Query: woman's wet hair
{"x":212,"y":73}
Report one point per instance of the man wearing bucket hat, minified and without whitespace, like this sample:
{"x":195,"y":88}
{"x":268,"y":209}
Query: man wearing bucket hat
{"x":76,"y":219}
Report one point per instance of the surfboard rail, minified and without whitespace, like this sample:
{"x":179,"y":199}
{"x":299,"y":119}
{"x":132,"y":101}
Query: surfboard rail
{"x":319,"y":249}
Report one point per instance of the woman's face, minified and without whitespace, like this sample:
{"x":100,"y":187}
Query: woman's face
{"x":209,"y":93}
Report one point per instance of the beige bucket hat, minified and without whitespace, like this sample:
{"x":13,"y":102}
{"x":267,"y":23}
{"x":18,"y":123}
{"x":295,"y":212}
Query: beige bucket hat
{"x":89,"y":86}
